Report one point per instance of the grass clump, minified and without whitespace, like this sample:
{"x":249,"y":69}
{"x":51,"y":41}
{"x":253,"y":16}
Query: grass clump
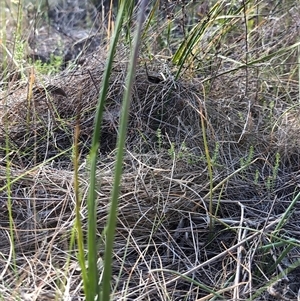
{"x":197,"y":201}
{"x":51,"y":68}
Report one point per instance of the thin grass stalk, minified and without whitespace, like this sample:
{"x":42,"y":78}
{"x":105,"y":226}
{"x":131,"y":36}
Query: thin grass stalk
{"x":68,"y":260}
{"x":213,"y":259}
{"x":30,"y":171}
{"x":8,"y":175}
{"x":112,"y":217}
{"x":9,"y":200}
{"x":128,"y":19}
{"x":280,"y":258}
{"x":255,"y":62}
{"x":210,"y":172}
{"x":78,"y":227}
{"x":150,"y":19}
{"x":17,"y":37}
{"x":185,"y":50}
{"x":287,"y":213}
{"x":280,"y":275}
{"x":280,"y":243}
{"x":122,"y":267}
{"x":110,"y":25}
{"x":193,"y":281}
{"x":91,"y":288}
{"x":3,"y":36}
{"x":298,"y":60}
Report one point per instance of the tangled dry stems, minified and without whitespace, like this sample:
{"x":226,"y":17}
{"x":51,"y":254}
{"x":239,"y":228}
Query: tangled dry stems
{"x":163,"y":217}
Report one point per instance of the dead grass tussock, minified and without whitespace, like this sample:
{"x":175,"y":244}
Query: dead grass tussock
{"x":163,"y":217}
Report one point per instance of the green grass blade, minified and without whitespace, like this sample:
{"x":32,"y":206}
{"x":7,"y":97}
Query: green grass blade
{"x":282,"y":274}
{"x":31,"y":170}
{"x":78,"y":226}
{"x":91,"y":289}
{"x":287,"y":213}
{"x":112,"y":218}
{"x":186,"y":48}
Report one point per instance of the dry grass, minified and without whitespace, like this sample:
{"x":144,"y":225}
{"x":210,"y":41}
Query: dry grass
{"x":250,"y":113}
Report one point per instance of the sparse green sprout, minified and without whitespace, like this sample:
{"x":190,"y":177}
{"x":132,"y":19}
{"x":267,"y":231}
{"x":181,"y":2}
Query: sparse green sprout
{"x":275,"y":170}
{"x":215,"y":154}
{"x":171,"y":151}
{"x":159,"y":138}
{"x":256,"y":177}
{"x":249,"y":158}
{"x":19,"y":51}
{"x":241,"y":116}
{"x":271,"y":180}
{"x":51,"y":68}
{"x":269,"y":183}
{"x":271,"y":106}
{"x":183,"y":151}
